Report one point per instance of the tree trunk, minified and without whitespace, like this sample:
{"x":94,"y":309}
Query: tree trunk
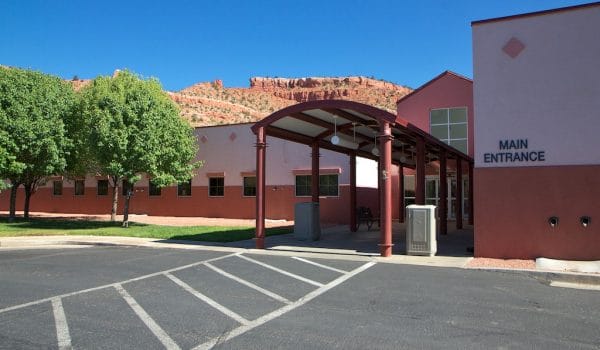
{"x":126,"y":210}
{"x":113,"y":212}
{"x":13,"y":201}
{"x":26,"y":205}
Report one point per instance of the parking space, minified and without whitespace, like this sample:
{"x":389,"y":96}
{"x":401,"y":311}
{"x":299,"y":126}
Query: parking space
{"x":108,"y":297}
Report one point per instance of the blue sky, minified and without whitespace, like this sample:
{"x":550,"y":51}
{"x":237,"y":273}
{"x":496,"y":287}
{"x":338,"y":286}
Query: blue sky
{"x":181,"y":42}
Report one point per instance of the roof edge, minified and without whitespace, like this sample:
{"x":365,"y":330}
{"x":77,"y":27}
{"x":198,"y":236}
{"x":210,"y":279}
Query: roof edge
{"x":536,"y":13}
{"x":439,"y":76}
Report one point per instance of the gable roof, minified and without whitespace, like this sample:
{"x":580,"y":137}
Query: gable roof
{"x":443,"y":74}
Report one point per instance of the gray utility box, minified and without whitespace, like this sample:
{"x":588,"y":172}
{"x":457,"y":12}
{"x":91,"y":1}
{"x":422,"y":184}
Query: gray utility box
{"x":421,"y":230}
{"x":307,"y":221}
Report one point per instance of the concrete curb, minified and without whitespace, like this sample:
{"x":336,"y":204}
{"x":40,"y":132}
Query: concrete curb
{"x":550,"y":276}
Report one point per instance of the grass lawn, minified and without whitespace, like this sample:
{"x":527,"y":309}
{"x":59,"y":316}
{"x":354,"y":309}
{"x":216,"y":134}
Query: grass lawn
{"x":45,"y":227}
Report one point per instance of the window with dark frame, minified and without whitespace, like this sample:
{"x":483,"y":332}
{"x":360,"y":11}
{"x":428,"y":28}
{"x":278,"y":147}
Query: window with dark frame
{"x":153,"y":189}
{"x":450,"y":125}
{"x":249,"y":186}
{"x":127,"y":186}
{"x":216,"y":187}
{"x":328,"y":185}
{"x":184,"y":189}
{"x":79,"y":187}
{"x":102,"y":188}
{"x":57,"y":187}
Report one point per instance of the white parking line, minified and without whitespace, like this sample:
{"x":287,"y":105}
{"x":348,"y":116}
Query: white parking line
{"x":208,"y":300}
{"x":150,"y":323}
{"x":319,"y":265}
{"x":300,"y":278}
{"x":248,"y":284}
{"x":15,"y":307}
{"x":62,"y":327}
{"x":285,"y":309}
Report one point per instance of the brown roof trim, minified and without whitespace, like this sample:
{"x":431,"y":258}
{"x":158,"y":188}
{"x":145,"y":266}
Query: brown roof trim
{"x":537,"y":13}
{"x":441,"y":75}
{"x":222,"y":125}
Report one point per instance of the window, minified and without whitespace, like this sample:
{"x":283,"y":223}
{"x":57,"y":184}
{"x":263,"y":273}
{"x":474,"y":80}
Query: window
{"x":184,"y":189}
{"x":79,"y":187}
{"x":57,"y":188}
{"x":153,"y":189}
{"x":127,"y":186}
{"x":303,"y":185}
{"x":249,"y":186}
{"x":450,"y":126}
{"x":102,"y":187}
{"x":328,"y":185}
{"x":216,"y":186}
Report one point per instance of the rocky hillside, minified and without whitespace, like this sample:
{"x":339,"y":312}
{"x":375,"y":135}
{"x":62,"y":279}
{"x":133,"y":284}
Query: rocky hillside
{"x":212,"y":104}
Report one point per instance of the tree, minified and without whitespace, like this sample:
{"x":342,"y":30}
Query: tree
{"x":135,"y":128}
{"x":32,"y":132}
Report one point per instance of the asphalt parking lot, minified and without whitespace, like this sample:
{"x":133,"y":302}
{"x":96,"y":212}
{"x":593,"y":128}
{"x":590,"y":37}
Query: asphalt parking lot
{"x":146,"y":298}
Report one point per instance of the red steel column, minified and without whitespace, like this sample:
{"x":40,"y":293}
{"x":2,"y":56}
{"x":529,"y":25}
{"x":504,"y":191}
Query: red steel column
{"x":353,"y":227}
{"x":261,"y":147}
{"x":443,"y":207}
{"x":314,"y":186}
{"x":471,"y":193}
{"x":459,"y":194}
{"x":385,"y":151}
{"x":420,"y":176}
{"x":401,"y":208}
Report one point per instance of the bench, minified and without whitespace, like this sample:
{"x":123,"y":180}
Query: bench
{"x":364,"y":215}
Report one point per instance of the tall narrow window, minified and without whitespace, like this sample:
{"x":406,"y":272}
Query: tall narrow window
{"x":450,"y":126}
{"x":184,"y":189}
{"x":303,"y":185}
{"x":216,"y":186}
{"x":79,"y":187}
{"x":102,"y":187}
{"x":57,"y":187}
{"x":153,"y":189}
{"x":249,"y":186}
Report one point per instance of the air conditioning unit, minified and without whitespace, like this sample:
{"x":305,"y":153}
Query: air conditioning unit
{"x":421,"y":230}
{"x":307,"y":222}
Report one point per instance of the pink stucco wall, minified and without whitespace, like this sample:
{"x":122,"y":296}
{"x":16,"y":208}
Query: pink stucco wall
{"x":546,"y":92}
{"x":448,"y":90}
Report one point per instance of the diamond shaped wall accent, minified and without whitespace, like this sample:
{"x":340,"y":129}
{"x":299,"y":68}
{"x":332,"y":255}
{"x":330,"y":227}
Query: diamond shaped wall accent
{"x":232,"y":136}
{"x":513,"y":47}
{"x":203,"y":139}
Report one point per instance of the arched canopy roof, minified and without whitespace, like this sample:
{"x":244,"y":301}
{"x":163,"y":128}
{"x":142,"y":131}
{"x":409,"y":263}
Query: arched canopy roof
{"x":356,"y":126}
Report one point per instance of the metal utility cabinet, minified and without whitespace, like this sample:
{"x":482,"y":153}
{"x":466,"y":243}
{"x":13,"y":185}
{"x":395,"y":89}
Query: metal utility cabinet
{"x":307,"y":222}
{"x":421,"y":230}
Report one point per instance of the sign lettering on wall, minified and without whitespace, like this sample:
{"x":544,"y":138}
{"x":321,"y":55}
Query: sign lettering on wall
{"x":511,"y":151}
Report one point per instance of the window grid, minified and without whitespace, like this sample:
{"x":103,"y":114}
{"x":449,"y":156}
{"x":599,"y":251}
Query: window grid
{"x":460,"y":143}
{"x":184,"y":189}
{"x":328,"y":185}
{"x":79,"y":187}
{"x":57,"y":187}
{"x":102,"y":188}
{"x":216,"y":187}
{"x":249,"y":186}
{"x":153,"y":189}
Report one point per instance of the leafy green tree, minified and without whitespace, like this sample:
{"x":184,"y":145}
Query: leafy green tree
{"x":32,"y":132}
{"x":135,"y":128}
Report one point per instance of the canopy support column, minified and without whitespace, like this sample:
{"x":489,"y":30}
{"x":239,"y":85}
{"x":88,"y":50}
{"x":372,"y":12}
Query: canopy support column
{"x":459,"y":194}
{"x":443,"y":207}
{"x":261,"y":147}
{"x":385,"y":184}
{"x":353,"y":227}
{"x":314,"y":186}
{"x":420,"y":172}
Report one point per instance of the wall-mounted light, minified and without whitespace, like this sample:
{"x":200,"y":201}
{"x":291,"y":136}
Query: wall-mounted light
{"x":553,"y":221}
{"x":585,"y":221}
{"x":375,"y":150}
